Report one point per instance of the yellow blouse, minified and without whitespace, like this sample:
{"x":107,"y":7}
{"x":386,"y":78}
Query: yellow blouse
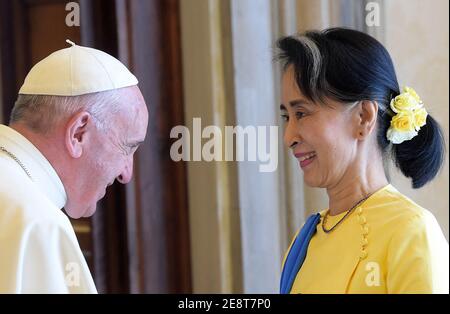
{"x":388,"y":244}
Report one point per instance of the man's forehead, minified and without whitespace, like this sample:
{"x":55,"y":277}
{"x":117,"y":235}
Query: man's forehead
{"x":132,"y":118}
{"x":137,"y":130}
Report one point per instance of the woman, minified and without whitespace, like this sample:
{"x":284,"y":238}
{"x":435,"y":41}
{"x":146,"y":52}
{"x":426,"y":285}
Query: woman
{"x":345,"y":116}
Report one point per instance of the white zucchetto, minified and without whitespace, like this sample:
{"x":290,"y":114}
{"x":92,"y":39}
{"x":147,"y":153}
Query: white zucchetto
{"x":77,"y":71}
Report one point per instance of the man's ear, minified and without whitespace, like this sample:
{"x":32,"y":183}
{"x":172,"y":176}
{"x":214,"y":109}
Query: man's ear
{"x":367,"y":112}
{"x":76,"y":133}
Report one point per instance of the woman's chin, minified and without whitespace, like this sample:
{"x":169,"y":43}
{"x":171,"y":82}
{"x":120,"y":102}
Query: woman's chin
{"x":310,"y":182}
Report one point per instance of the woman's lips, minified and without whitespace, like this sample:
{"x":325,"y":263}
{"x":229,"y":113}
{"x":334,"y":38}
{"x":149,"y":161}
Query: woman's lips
{"x":305,"y":158}
{"x":299,"y":155}
{"x":306,"y":162}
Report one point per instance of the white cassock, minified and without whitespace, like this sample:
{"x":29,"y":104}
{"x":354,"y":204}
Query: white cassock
{"x":39,"y":252}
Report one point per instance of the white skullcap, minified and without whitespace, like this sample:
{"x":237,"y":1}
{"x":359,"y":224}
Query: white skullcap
{"x":76,"y":71}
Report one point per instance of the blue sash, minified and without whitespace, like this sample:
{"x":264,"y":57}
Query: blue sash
{"x":297,"y":253}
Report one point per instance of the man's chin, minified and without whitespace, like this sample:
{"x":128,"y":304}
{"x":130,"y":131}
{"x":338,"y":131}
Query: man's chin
{"x":77,"y":213}
{"x":90,"y":212}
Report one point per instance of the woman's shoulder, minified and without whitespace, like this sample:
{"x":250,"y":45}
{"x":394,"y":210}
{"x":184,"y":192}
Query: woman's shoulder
{"x":391,"y":202}
{"x":391,"y":209}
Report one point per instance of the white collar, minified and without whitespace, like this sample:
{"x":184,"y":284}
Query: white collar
{"x":40,"y":169}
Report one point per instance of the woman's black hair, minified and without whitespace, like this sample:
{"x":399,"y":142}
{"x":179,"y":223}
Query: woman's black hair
{"x":348,"y":66}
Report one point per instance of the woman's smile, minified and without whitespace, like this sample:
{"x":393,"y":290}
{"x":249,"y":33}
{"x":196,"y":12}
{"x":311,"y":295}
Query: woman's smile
{"x":305,"y":158}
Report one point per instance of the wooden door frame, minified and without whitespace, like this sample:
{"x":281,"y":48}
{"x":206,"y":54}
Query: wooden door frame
{"x":158,"y":221}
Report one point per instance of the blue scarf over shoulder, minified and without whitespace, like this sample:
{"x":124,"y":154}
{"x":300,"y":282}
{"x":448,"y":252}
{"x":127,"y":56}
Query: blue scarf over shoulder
{"x":297,"y":253}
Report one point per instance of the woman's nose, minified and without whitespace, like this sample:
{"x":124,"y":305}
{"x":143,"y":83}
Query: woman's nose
{"x":291,"y":135}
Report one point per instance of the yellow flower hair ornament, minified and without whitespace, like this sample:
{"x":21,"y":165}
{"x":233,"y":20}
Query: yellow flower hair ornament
{"x":410,"y":116}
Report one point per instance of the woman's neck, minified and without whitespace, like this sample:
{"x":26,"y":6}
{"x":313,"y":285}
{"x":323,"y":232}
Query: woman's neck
{"x":356,"y":184}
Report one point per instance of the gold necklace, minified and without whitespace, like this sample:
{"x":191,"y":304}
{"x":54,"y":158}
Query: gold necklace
{"x":16,"y":160}
{"x":343,"y":218}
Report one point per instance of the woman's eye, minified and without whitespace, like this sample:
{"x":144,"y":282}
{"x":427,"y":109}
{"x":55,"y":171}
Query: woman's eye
{"x":299,"y":115}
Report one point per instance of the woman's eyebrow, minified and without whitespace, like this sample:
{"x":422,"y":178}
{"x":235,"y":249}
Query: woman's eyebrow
{"x":294,"y":103}
{"x":298,"y":102}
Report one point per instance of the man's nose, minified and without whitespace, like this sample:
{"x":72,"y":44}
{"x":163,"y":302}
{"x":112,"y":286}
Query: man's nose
{"x":127,"y":172}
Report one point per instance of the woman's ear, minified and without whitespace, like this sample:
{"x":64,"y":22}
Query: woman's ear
{"x":367,"y":112}
{"x":76,"y":133}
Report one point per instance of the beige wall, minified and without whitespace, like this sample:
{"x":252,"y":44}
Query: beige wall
{"x":213,"y":209}
{"x":416,"y":34}
{"x":238,"y":229}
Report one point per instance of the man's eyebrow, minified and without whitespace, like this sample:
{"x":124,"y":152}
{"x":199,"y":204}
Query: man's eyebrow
{"x":295,"y":103}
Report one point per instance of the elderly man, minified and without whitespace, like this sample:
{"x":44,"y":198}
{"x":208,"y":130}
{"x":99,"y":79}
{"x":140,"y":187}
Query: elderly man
{"x":77,"y":122}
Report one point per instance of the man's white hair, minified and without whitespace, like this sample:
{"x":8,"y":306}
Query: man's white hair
{"x":41,"y":113}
